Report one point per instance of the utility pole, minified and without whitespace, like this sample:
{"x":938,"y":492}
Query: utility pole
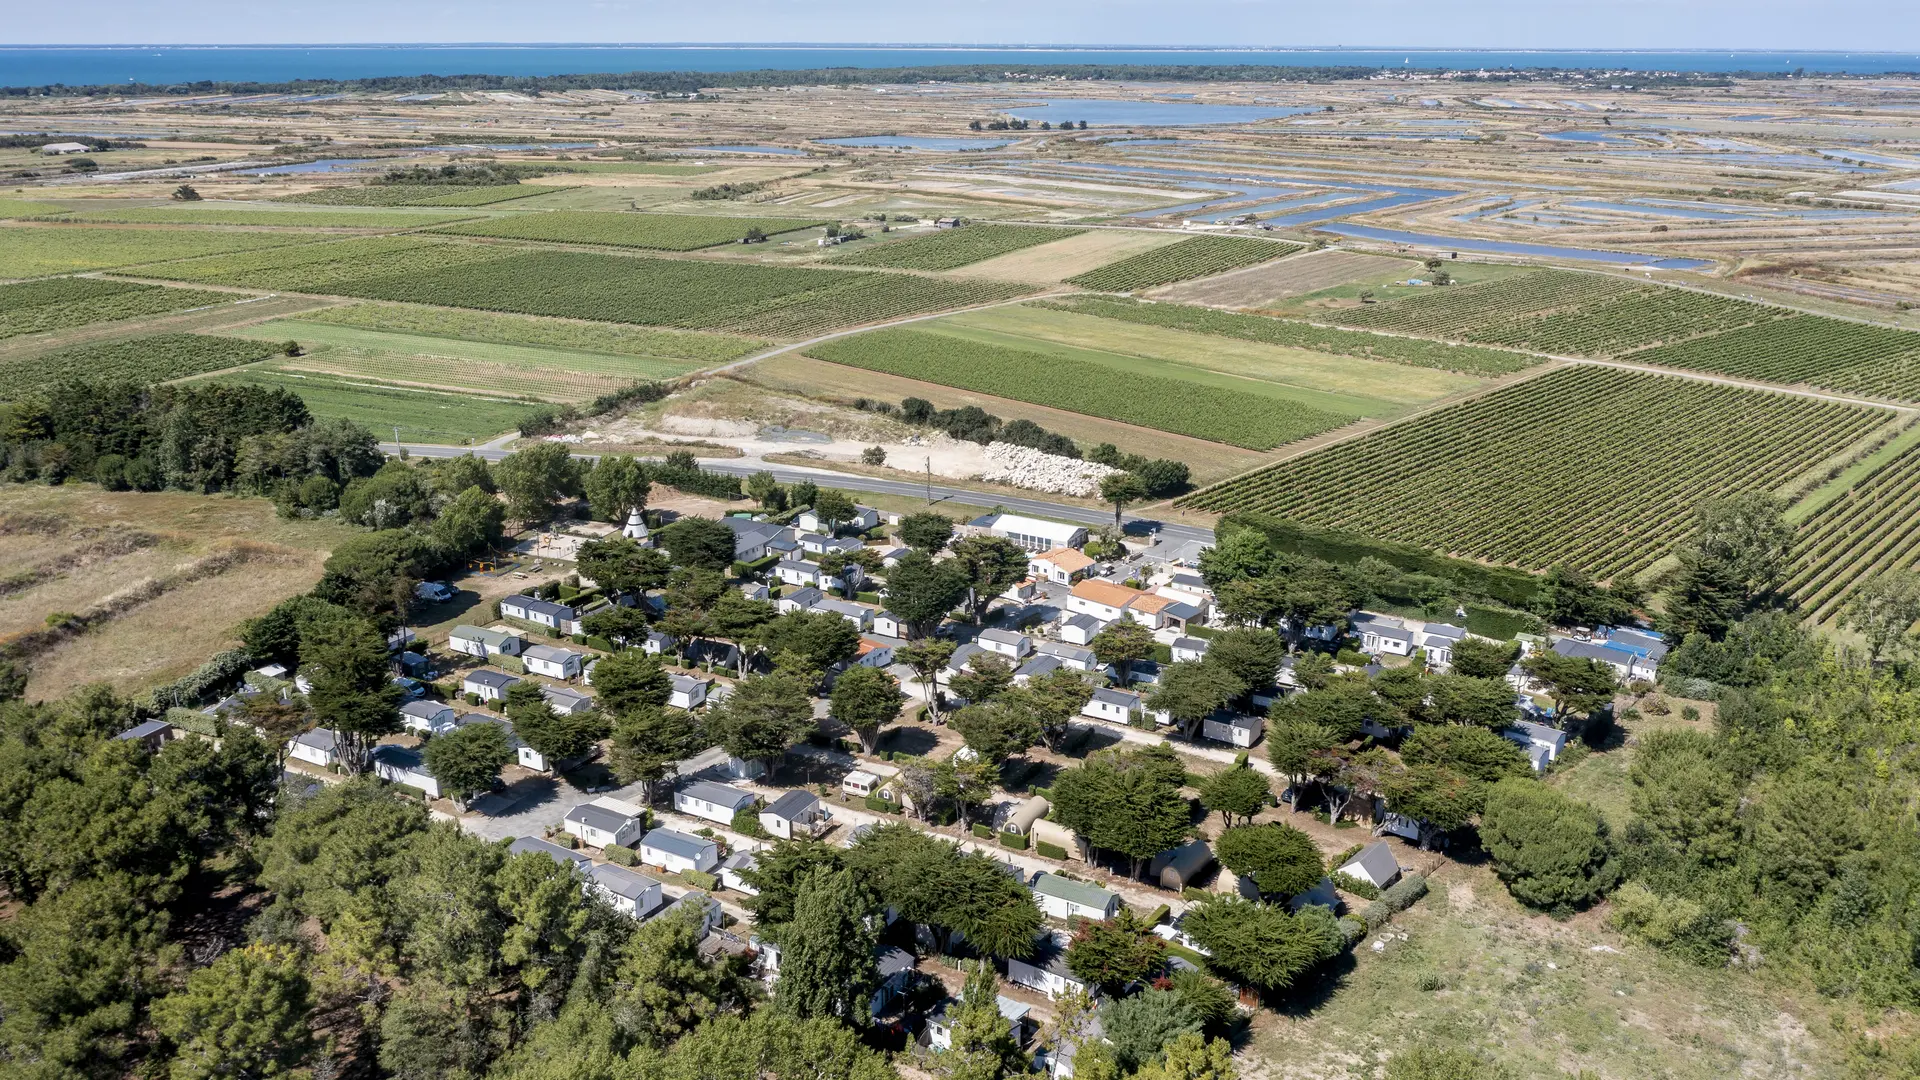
{"x":929,"y":480}
{"x":396,"y":440}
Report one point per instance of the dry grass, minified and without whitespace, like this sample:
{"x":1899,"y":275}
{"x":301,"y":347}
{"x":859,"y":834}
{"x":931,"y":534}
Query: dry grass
{"x":1062,"y":259}
{"x":170,"y":635}
{"x":1297,"y":276}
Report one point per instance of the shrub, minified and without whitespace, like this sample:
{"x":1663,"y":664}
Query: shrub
{"x":620,"y":855}
{"x":1341,"y":859}
{"x":1351,"y":929}
{"x":881,"y":806}
{"x":593,"y":641}
{"x":1013,"y":840}
{"x":1049,"y":851}
{"x":746,"y":822}
{"x":570,"y":841}
{"x":1376,"y":914}
{"x":472,"y":699}
{"x":1366,"y":890}
{"x":982,"y":830}
{"x":701,"y":880}
{"x":1671,"y":924}
{"x":1404,"y":893}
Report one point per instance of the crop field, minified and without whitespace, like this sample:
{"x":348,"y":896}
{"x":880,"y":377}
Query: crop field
{"x":1340,"y":384}
{"x":1832,"y":354}
{"x":480,"y":366}
{"x":28,"y":251}
{"x":34,"y":307}
{"x":1413,"y":352}
{"x":745,"y":298}
{"x":421,"y":415}
{"x":1077,"y":254}
{"x":1593,"y":467}
{"x":640,"y":168}
{"x":1294,"y":277}
{"x":1561,"y":312}
{"x":154,"y":359}
{"x":416,"y":195}
{"x":1186,"y":407}
{"x":1200,"y":256}
{"x":1873,"y":529}
{"x":325,"y":267}
{"x":463,"y":325}
{"x":259,"y":216}
{"x":19,"y":208}
{"x":946,"y":249}
{"x":660,"y":232}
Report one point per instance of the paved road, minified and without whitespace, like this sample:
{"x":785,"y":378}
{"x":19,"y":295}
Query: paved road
{"x":787,"y":474}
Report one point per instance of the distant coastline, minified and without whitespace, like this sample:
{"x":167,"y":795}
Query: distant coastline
{"x":154,"y":68}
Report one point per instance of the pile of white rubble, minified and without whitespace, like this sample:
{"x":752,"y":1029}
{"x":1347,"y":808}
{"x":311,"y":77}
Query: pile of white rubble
{"x":1023,"y":466}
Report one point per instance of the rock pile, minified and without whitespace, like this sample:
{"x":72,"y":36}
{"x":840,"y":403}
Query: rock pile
{"x":1023,"y":466}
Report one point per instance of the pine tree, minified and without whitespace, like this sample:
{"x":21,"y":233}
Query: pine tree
{"x":827,"y":957}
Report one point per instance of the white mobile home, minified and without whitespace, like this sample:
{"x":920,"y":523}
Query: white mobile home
{"x":714,"y":802}
{"x":1064,"y":898}
{"x":679,"y":852}
{"x":606,"y":820}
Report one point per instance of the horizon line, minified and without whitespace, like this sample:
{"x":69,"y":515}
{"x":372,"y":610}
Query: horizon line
{"x":954,"y":46}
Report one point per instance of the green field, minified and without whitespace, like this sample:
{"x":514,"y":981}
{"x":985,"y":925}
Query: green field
{"x":947,"y":249}
{"x":481,"y":366}
{"x":323,"y":267}
{"x":34,"y":307}
{"x":1336,"y":383}
{"x":1242,"y":413}
{"x":19,"y":208}
{"x":466,"y":325}
{"x":1873,"y":529}
{"x":1413,"y":352}
{"x":1197,"y":257}
{"x":421,"y":415}
{"x":154,"y":359}
{"x":246,"y":215}
{"x":660,"y":232}
{"x":417,"y":195}
{"x":40,"y":250}
{"x":1597,"y":468}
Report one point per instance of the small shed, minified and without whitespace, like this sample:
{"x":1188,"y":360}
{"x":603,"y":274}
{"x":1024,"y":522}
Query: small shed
{"x":1375,"y":865}
{"x":1058,"y":835}
{"x":1023,"y":817}
{"x":1177,"y":868}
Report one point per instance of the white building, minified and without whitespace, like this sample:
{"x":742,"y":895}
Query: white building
{"x":547,"y":613}
{"x":714,"y":802}
{"x":428,"y":717}
{"x":606,"y":820}
{"x":487,"y":685}
{"x":687,"y":691}
{"x":1033,"y":534}
{"x":1065,"y":898}
{"x":552,"y":661}
{"x":473,"y":641}
{"x":1233,"y":729}
{"x":317,"y":747}
{"x":1061,"y":565}
{"x":404,"y":765}
{"x":678,"y":852}
{"x":633,"y":895}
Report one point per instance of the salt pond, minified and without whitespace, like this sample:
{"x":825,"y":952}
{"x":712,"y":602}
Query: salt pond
{"x":1503,"y":247}
{"x":1103,"y":111}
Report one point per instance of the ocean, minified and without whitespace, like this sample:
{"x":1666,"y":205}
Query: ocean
{"x":165,"y":64}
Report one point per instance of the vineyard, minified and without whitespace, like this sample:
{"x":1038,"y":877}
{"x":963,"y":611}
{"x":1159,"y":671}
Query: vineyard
{"x":871,"y":298}
{"x":248,"y":215}
{"x":324,"y":267}
{"x":42,"y":250}
{"x":946,"y":249}
{"x":1414,"y":352}
{"x":660,"y":232}
{"x":1873,"y":529}
{"x":1201,"y":411}
{"x":1597,"y":468}
{"x":1200,"y":256}
{"x":154,"y":359}
{"x":1832,"y":354}
{"x":417,"y":195}
{"x":1562,"y":312}
{"x":60,"y":303}
{"x":463,"y":325}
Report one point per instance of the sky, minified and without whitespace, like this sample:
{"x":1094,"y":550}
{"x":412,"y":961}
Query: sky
{"x":1883,"y":25}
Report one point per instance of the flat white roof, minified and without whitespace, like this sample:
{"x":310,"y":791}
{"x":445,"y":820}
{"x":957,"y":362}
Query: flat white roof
{"x":1027,"y":526}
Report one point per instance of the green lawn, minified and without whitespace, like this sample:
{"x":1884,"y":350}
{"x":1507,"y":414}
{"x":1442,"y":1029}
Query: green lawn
{"x":422,"y":416}
{"x":38,"y":250}
{"x":289,"y":217}
{"x":566,"y":334}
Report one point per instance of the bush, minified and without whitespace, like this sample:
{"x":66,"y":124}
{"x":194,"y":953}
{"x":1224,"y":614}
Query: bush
{"x":620,"y":855}
{"x":1376,"y":915}
{"x":593,"y":641}
{"x":1013,"y":840}
{"x":1404,"y":893}
{"x":1501,"y":624}
{"x":1341,"y":859}
{"x":1366,"y":890}
{"x":1351,"y":929}
{"x":1671,"y":924}
{"x":701,"y":880}
{"x":472,"y":699}
{"x":1049,"y":851}
{"x":982,"y":830}
{"x":881,"y":806}
{"x":568,"y":840}
{"x":746,"y":822}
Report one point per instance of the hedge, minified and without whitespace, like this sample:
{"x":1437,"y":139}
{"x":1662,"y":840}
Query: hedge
{"x":746,"y":822}
{"x":1507,"y":585}
{"x":594,"y":641}
{"x":1501,"y":624}
{"x":1352,"y":929}
{"x":1366,"y":890}
{"x":620,"y":855}
{"x":1050,"y":851}
{"x":1376,"y":915}
{"x":508,"y":663}
{"x":701,"y":880}
{"x":983,"y":830}
{"x":1402,"y":894}
{"x":1013,"y":840}
{"x":881,"y":806}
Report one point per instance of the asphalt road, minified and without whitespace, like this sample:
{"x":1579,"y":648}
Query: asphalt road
{"x":787,"y":474}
